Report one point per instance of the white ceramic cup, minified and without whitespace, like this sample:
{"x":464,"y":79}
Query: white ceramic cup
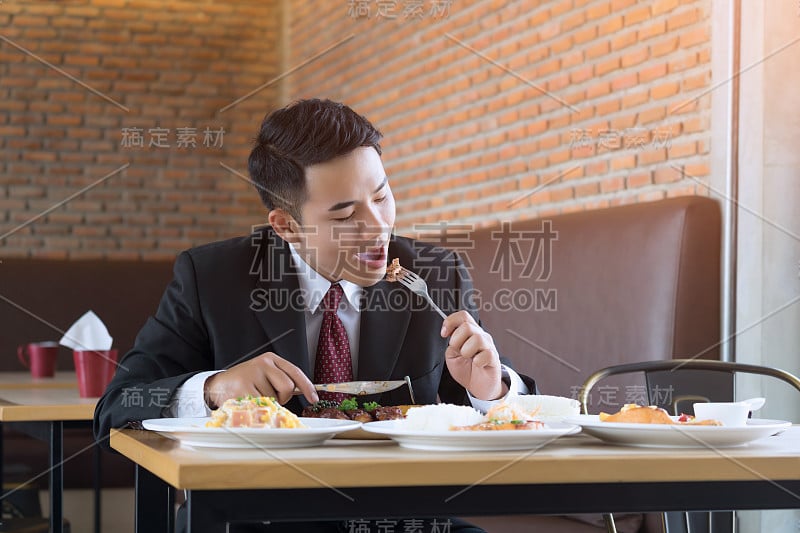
{"x":731,"y":414}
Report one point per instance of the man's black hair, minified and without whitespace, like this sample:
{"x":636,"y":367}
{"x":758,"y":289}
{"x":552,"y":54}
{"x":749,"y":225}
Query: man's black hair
{"x":295,"y":137}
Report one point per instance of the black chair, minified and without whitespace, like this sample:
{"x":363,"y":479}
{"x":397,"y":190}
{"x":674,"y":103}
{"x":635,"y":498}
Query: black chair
{"x":675,"y":385}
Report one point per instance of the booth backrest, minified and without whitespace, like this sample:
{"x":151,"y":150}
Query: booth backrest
{"x":566,"y":295}
{"x":41,"y":298}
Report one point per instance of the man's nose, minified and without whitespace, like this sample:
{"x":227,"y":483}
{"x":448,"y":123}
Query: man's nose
{"x":373,"y":225}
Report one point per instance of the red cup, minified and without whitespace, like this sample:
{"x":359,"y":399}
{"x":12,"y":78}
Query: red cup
{"x":39,"y":357}
{"x":95,"y":368}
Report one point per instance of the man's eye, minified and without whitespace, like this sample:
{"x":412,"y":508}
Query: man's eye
{"x":380,"y":200}
{"x":345,"y":219}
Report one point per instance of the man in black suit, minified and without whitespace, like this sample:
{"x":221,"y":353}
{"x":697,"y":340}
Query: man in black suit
{"x":243,"y":316}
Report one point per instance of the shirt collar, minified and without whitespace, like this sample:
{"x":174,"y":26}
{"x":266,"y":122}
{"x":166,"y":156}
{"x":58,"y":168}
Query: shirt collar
{"x":314,"y":286}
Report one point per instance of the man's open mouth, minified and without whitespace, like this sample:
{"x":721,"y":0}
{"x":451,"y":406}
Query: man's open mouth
{"x":373,"y":259}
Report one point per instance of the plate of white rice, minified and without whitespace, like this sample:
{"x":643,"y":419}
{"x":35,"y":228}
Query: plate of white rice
{"x":546,"y":408}
{"x":428,"y":428}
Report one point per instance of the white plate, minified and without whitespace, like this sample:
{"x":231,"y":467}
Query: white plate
{"x":452,"y":441}
{"x":677,"y":435}
{"x":192,"y":432}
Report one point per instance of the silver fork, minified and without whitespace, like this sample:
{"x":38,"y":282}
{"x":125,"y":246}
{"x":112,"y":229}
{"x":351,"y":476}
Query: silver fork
{"x":418,"y":286}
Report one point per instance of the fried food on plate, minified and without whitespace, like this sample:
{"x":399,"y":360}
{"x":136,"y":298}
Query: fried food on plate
{"x":651,"y":414}
{"x":253,"y":412}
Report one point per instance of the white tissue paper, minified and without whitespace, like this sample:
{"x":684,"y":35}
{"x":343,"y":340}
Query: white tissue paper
{"x":87,"y":333}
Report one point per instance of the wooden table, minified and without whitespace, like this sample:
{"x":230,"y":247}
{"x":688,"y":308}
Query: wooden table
{"x":41,"y":410}
{"x":377,"y":479}
{"x":24,"y":380}
{"x":44,"y":405}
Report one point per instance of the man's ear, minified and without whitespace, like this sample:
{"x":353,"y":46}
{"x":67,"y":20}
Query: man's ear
{"x":284,"y":225}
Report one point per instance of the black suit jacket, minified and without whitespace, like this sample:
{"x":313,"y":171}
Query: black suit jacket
{"x":233,"y":300}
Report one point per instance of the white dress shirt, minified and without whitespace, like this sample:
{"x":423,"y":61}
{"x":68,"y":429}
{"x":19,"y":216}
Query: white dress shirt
{"x":313,"y":288}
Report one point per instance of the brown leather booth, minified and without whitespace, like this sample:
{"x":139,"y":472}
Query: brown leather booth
{"x":631,"y":283}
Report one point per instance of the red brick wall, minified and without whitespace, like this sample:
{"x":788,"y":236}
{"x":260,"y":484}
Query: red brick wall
{"x":78,"y":77}
{"x":491,"y":109}
{"x":516,"y":109}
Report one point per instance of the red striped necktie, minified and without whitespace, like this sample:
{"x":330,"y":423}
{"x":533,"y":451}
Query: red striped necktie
{"x":333,"y":363}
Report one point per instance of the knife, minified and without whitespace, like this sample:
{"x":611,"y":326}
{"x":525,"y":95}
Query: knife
{"x":362,"y":388}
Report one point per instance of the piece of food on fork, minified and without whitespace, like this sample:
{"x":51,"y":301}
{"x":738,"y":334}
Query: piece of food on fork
{"x":413,"y":282}
{"x":393,"y":270}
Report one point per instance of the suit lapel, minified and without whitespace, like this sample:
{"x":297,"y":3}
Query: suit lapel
{"x":382,"y":331}
{"x":281,"y":314}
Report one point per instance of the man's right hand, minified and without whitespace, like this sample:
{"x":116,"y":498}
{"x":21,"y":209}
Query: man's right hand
{"x":265,"y":375}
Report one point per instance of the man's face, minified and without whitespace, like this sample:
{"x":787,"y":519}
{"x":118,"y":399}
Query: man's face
{"x":347,"y":218}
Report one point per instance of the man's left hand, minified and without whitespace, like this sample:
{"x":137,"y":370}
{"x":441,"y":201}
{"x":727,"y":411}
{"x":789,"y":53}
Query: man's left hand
{"x":472,"y":358}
